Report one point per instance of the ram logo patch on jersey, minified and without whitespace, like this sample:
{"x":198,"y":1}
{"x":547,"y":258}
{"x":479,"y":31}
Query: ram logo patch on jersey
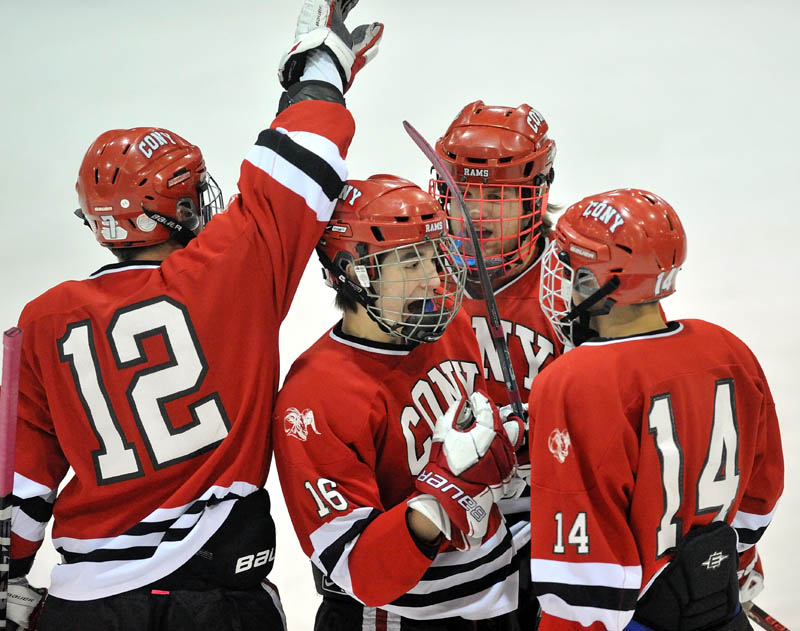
{"x":559,"y":443}
{"x":605,"y":212}
{"x":296,"y":423}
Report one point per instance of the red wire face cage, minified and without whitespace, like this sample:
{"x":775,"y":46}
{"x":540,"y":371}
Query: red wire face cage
{"x":387,"y":247}
{"x":130,"y":178}
{"x":502,"y":159}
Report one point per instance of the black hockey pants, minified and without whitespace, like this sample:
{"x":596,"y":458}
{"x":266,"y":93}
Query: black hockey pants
{"x":180,"y":610}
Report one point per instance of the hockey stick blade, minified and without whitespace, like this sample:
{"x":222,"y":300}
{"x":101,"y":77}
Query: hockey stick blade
{"x":763,"y":619}
{"x":12,"y":348}
{"x":495,"y":325}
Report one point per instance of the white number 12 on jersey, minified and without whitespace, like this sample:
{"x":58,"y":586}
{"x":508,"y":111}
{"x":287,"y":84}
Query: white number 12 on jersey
{"x":151,"y":387}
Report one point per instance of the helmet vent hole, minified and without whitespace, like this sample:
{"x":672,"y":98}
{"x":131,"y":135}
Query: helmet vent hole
{"x":624,"y":248}
{"x":377,"y":233}
{"x":401,"y":219}
{"x":143,"y":182}
{"x":477,"y":160}
{"x":669,"y":221}
{"x":479,"y":110}
{"x":616,"y":270}
{"x":508,"y":114}
{"x":505,"y":159}
{"x":650,"y":199}
{"x":126,"y":149}
{"x":528,"y":169}
{"x":150,"y":197}
{"x":96,"y":176}
{"x":116,"y":173}
{"x":450,"y":155}
{"x":427,"y":217}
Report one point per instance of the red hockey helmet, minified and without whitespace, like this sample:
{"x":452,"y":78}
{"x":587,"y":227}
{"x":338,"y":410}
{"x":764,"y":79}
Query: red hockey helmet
{"x":504,"y":159}
{"x":385,"y":226}
{"x":623,"y":247}
{"x":140,"y":187}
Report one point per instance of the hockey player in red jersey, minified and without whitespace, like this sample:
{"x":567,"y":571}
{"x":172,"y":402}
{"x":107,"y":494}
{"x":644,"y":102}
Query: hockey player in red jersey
{"x":504,"y":157}
{"x":155,"y":377}
{"x":656,"y":445}
{"x":355,"y":445}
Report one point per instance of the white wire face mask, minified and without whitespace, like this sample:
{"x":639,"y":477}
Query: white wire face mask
{"x":414,"y":291}
{"x":555,"y":292}
{"x":559,"y":280}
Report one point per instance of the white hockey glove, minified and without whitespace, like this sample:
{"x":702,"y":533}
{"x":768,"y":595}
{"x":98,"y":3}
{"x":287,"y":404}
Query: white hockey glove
{"x":320,"y":27}
{"x":470,"y":466}
{"x":517,"y":430}
{"x":23,"y":604}
{"x":750,"y":575}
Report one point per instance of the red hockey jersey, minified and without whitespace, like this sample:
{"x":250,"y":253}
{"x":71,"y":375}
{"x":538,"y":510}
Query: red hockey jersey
{"x":155,"y":382}
{"x":531,"y":341}
{"x":635,"y":441}
{"x":353,"y":426}
{"x":532,"y":345}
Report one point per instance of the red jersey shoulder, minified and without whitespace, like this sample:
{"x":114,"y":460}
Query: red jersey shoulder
{"x":327,"y":388}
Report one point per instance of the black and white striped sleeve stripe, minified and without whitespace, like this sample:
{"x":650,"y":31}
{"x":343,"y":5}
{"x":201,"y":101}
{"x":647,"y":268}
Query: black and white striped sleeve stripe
{"x":334,"y":540}
{"x":306,"y":163}
{"x":749,"y":527}
{"x":587,"y":592}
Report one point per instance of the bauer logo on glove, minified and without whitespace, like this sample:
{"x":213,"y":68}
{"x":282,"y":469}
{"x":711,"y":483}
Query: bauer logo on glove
{"x":470,"y":463}
{"x":446,"y":486}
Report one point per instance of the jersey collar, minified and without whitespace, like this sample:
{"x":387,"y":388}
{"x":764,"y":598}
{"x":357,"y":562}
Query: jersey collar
{"x":673,"y":328}
{"x":121,"y":266}
{"x":381,"y":348}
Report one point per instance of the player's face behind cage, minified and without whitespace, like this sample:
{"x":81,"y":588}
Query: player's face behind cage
{"x":417,"y":289}
{"x":507,"y":219}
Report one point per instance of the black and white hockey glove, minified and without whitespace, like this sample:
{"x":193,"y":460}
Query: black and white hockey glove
{"x":320,"y":27}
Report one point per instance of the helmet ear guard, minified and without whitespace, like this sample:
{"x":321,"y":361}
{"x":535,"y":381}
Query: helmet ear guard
{"x":335,"y":276}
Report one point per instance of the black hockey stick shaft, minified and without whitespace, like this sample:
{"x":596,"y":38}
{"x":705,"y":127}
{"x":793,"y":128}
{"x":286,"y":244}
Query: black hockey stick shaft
{"x":495,"y":325}
{"x":763,"y":619}
{"x":12,"y":347}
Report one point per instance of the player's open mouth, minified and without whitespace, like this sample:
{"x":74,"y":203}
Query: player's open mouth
{"x":415,"y":307}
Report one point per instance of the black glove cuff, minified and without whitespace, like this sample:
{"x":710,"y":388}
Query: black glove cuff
{"x":310,"y":90}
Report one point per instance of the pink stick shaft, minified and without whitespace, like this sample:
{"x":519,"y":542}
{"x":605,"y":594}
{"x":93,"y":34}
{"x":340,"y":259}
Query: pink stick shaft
{"x":12,"y":348}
